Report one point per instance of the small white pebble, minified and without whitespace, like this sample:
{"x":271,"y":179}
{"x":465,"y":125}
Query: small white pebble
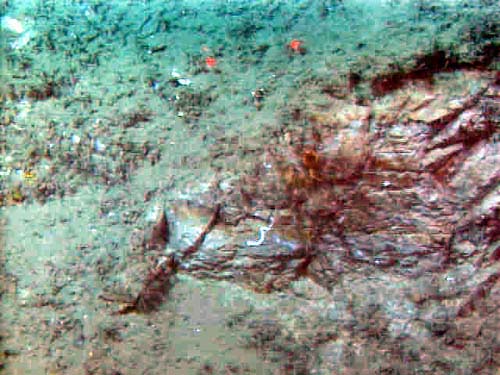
{"x":12,"y":24}
{"x":99,"y":146}
{"x":75,"y":139}
{"x":184,"y":81}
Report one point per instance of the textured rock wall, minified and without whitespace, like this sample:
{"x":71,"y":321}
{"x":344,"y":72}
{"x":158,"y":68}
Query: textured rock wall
{"x":381,"y":218}
{"x":408,"y":183}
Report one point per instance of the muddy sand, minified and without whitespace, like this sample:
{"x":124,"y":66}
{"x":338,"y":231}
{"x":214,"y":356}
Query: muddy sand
{"x":243,"y":187}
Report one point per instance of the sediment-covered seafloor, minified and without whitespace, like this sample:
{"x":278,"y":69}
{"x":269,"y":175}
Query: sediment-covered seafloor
{"x":214,"y":190}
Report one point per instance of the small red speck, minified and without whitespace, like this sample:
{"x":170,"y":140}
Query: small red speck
{"x":295,"y":45}
{"x":211,"y":62}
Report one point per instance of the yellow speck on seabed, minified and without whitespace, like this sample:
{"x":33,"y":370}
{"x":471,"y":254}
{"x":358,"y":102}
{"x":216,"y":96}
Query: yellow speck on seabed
{"x":29,"y":177}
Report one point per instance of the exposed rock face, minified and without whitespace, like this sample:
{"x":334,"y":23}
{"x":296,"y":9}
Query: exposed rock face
{"x":399,"y":191}
{"x":393,"y":210}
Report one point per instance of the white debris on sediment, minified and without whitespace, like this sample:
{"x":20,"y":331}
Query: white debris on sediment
{"x":22,"y":40}
{"x":12,"y":25}
{"x":181,"y":80}
{"x":15,"y":26}
{"x":262,"y":234}
{"x":184,"y":81}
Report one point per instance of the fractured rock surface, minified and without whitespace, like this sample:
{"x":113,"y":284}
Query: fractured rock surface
{"x":401,"y":209}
